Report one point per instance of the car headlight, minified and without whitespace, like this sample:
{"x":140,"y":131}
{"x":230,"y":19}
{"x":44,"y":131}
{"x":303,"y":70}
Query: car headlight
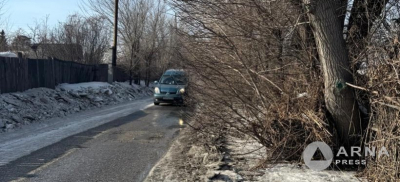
{"x":182,"y":90}
{"x":156,"y":90}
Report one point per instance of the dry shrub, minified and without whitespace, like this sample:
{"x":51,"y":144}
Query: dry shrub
{"x":383,"y":129}
{"x":253,"y":72}
{"x":378,"y":80}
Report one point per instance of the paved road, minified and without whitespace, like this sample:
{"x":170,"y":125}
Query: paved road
{"x":122,"y":150}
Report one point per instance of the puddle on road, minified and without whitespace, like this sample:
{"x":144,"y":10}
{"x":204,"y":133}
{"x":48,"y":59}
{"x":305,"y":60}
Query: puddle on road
{"x":156,"y":136}
{"x":131,"y":136}
{"x":140,"y":136}
{"x":147,"y":136}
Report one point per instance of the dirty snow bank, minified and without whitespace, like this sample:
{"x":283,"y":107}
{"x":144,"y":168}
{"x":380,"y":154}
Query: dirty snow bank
{"x":245,"y":154}
{"x":21,"y":108}
{"x":291,"y":172}
{"x":235,"y":160}
{"x":83,"y":86}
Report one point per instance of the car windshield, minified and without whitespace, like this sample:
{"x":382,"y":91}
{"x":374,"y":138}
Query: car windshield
{"x":173,"y":79}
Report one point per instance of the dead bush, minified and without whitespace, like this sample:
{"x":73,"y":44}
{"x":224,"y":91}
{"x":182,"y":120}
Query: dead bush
{"x":254,"y":73}
{"x":255,"y":70}
{"x":383,"y":131}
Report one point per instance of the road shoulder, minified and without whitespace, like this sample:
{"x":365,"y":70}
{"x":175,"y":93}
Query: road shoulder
{"x":26,"y":140}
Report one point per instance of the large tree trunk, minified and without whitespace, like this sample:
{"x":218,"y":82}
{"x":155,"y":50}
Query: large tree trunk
{"x":339,"y":98}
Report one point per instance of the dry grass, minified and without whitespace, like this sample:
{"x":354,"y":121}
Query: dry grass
{"x":383,"y":131}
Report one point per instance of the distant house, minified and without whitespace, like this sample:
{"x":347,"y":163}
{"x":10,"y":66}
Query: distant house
{"x":21,"y":43}
{"x":70,"y":52}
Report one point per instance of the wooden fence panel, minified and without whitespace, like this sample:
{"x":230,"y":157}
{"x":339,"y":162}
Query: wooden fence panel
{"x":49,"y":79}
{"x":3,"y":80}
{"x":32,"y":73}
{"x":13,"y":75}
{"x":7,"y":75}
{"x":57,"y":75}
{"x":22,"y":75}
{"x":74,"y":73}
{"x":102,"y":73}
{"x":10,"y":70}
{"x":17,"y":74}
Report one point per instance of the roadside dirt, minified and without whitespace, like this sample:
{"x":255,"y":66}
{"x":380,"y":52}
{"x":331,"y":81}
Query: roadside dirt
{"x":188,"y":159}
{"x":196,"y":156}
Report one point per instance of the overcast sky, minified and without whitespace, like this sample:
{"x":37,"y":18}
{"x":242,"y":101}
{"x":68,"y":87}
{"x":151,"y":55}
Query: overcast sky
{"x":22,"y":13}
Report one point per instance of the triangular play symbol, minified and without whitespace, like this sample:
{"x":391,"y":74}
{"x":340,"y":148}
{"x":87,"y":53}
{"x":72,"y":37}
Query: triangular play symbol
{"x":318,"y":155}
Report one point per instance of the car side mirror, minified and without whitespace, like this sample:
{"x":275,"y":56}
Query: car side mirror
{"x":155,"y":82}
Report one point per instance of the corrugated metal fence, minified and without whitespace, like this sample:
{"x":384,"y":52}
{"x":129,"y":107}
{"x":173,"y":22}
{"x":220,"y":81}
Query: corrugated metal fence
{"x":18,"y":74}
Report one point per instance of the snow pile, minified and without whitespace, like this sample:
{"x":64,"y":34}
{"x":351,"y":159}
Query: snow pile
{"x":80,"y":86}
{"x":198,"y":156}
{"x":246,"y":154}
{"x":8,"y":54}
{"x":17,"y":109}
{"x":292,"y":172}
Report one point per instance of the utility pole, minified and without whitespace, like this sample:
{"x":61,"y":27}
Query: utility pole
{"x":114,"y":48}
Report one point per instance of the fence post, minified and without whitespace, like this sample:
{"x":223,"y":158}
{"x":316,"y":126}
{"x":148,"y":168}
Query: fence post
{"x":54,"y":73}
{"x":71,"y":70}
{"x":2,"y":75}
{"x":110,"y":73}
{"x":38,"y":72}
{"x":95,"y":69}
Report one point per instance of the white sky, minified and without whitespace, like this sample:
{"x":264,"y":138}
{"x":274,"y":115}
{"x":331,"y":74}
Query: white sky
{"x":21,"y":13}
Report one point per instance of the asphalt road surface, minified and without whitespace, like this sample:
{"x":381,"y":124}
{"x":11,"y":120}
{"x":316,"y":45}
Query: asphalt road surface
{"x":124,"y":149}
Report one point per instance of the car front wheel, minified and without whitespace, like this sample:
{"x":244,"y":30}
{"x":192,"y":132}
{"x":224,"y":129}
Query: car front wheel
{"x":155,"y":103}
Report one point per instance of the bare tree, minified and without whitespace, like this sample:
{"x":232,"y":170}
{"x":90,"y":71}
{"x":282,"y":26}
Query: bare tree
{"x":327,"y":20}
{"x":39,"y":34}
{"x":141,"y":32}
{"x":155,"y":38}
{"x":81,"y":39}
{"x":96,"y":39}
{"x":339,"y":98}
{"x":251,"y":71}
{"x":3,"y":41}
{"x":3,"y":21}
{"x":21,"y":42}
